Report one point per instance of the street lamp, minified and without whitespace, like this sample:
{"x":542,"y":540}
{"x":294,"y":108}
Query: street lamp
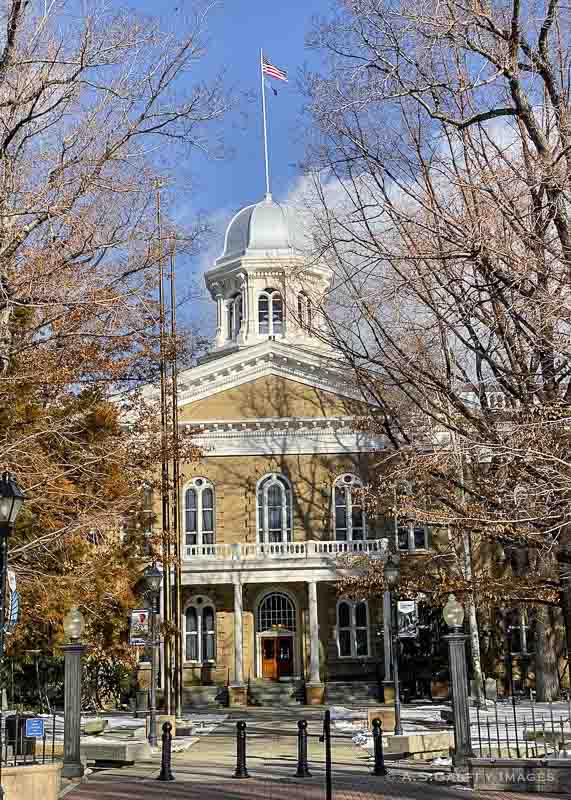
{"x":11,"y":501}
{"x":73,"y":626}
{"x":392,"y":577}
{"x":453,"y":614}
{"x":153,"y":578}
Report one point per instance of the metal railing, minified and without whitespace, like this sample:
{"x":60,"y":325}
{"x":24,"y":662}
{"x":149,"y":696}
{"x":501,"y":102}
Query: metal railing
{"x":526,"y":730}
{"x":246,"y":551}
{"x":17,"y":749}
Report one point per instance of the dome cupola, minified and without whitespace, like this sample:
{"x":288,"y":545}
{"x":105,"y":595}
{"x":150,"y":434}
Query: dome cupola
{"x":263,"y":284}
{"x":265,"y":227}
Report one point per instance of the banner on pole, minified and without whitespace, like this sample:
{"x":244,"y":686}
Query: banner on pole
{"x":407,"y":619}
{"x":139,"y":628}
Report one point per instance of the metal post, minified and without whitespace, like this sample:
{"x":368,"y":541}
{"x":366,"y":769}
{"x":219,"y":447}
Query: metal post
{"x":154,"y":654}
{"x":5,"y":531}
{"x":72,"y":766}
{"x":512,"y":692}
{"x":379,"y":768}
{"x":462,"y":734}
{"x":241,"y":771}
{"x":302,"y":765}
{"x":327,"y":739}
{"x":166,"y":772}
{"x":395,"y":653}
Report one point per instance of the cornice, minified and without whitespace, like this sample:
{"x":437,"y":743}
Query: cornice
{"x":268,"y":358}
{"x":279,"y":436}
{"x":262,"y":425}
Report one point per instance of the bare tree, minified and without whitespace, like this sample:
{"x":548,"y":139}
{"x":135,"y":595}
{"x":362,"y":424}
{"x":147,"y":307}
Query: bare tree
{"x":92,"y":110}
{"x":442,"y":176}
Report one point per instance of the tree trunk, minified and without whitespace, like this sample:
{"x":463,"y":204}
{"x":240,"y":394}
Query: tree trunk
{"x":473,"y":624}
{"x":546,"y":654}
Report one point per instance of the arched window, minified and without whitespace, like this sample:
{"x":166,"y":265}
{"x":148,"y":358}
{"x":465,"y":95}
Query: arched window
{"x":234,"y":316}
{"x":304,"y":311}
{"x":276,"y":610}
{"x":200,"y":630}
{"x":274,"y":509}
{"x":199,"y":512}
{"x":352,"y":628}
{"x":348,"y":513}
{"x":270,"y":313}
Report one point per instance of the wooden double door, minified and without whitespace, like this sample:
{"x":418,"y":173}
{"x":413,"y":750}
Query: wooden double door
{"x":277,"y":657}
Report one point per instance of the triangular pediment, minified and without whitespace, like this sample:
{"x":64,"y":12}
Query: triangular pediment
{"x":272,"y":375}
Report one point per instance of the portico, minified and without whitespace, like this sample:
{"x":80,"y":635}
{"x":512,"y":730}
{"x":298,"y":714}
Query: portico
{"x":283,"y":583}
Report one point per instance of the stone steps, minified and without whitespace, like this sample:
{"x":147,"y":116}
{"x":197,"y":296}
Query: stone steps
{"x":351,"y":693}
{"x":269,"y":693}
{"x":197,"y":696}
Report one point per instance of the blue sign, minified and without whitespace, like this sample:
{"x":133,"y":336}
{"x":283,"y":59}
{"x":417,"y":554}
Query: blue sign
{"x":34,"y":728}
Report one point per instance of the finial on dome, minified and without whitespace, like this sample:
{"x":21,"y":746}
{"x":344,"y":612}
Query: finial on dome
{"x":269,"y":197}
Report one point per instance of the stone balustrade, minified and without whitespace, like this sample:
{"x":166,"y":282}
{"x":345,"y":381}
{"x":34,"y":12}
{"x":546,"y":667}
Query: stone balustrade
{"x":250,"y":551}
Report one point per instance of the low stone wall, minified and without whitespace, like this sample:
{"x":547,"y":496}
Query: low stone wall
{"x":32,"y":782}
{"x":542,"y":776}
{"x":421,"y":746}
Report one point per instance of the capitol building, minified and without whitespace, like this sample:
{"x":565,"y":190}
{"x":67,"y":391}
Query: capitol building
{"x":272,"y":507}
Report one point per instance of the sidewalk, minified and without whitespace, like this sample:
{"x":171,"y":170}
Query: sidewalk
{"x":205,"y":771}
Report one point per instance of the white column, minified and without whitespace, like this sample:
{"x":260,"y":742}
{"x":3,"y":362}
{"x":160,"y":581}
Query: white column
{"x":220,"y":316}
{"x":238,"y":636}
{"x":245,"y":306}
{"x":313,"y":633}
{"x":251,"y":330}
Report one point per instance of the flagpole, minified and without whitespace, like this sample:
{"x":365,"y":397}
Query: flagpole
{"x":268,"y":194}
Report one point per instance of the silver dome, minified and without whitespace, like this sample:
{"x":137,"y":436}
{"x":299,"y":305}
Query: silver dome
{"x":261,"y":227}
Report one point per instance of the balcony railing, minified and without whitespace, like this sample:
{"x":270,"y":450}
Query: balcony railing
{"x":259,"y":551}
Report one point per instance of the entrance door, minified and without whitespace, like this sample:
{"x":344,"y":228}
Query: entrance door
{"x":269,"y":661}
{"x":285,"y":656}
{"x":277,"y":657}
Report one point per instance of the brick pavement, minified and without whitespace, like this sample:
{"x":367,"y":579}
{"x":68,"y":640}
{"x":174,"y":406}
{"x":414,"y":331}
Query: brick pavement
{"x":256,"y":789}
{"x":205,"y":772}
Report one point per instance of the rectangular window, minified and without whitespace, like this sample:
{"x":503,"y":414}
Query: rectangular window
{"x":361,"y":641}
{"x":357,"y":523}
{"x":412,"y":536}
{"x":263,"y":315}
{"x":277,"y":315}
{"x":420,"y":538}
{"x":192,"y":647}
{"x":344,"y":642}
{"x":208,"y":646}
{"x":352,"y":629}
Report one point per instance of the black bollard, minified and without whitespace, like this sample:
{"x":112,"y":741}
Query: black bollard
{"x":302,"y":766}
{"x":166,"y":773}
{"x":378,"y":749}
{"x":327,"y":739}
{"x":241,"y":771}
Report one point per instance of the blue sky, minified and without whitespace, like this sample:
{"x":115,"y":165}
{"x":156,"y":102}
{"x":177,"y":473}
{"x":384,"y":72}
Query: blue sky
{"x":236,"y":30}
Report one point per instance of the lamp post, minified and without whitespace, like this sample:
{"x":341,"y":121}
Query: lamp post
{"x":73,"y":626}
{"x":453,"y":614}
{"x":392,"y":578}
{"x":153,"y":578}
{"x":11,"y":501}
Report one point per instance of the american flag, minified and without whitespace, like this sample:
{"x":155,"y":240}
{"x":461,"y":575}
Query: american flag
{"x":273,"y":72}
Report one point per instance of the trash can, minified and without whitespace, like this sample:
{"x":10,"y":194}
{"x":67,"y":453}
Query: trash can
{"x":141,"y":703}
{"x":16,"y":735}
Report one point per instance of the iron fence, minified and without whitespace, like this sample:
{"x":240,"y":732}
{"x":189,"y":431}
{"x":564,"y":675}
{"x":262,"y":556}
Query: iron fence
{"x":526,"y":730}
{"x":19,"y":749}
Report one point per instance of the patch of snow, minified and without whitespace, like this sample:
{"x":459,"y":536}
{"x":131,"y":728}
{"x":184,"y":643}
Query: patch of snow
{"x":340,"y":712}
